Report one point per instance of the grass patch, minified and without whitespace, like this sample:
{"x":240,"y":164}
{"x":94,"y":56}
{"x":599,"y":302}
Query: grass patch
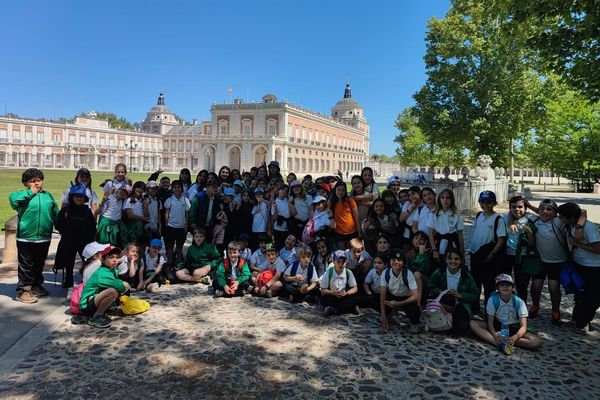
{"x":55,"y":182}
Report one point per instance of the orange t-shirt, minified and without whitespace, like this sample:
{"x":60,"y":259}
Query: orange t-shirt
{"x":344,"y":220}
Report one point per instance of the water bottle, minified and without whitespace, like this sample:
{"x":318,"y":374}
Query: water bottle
{"x":505,"y":336}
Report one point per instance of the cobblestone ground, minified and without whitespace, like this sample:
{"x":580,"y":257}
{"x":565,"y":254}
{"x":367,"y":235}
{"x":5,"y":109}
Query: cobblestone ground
{"x":190,"y":345}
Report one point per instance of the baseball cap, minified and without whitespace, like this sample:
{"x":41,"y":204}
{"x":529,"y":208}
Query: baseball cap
{"x":92,"y":249}
{"x":274,"y":162}
{"x":156,"y":243}
{"x":295,"y":183}
{"x":318,"y":199}
{"x":151,"y":184}
{"x":394,"y":178}
{"x":397,"y":254}
{"x":504,"y":278}
{"x":487,"y":196}
{"x":325,"y":187}
{"x":270,"y":247}
{"x":259,"y":190}
{"x":339,"y":254}
{"x":548,"y":202}
{"x":229,"y":192}
{"x":111,"y":250}
{"x":240,"y":183}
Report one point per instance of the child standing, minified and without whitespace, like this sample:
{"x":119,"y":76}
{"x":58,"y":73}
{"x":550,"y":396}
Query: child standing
{"x":233,"y":275}
{"x":77,"y":227}
{"x":338,"y":288}
{"x":281,"y":214}
{"x":36,"y":210}
{"x":176,"y":216}
{"x":260,"y":217}
{"x":506,"y":324}
{"x":120,"y":179}
{"x":399,"y":291}
{"x":102,"y":289}
{"x":487,"y":245}
{"x":445,"y":226}
{"x":110,"y":228}
{"x":155,"y":207}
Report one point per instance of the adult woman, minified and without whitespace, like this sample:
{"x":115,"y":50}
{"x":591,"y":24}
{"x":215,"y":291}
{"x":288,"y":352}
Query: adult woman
{"x":346,"y":216}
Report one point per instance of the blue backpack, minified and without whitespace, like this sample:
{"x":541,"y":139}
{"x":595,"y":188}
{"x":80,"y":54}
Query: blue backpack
{"x":311,"y":270}
{"x":388,"y":271}
{"x":516,"y":302}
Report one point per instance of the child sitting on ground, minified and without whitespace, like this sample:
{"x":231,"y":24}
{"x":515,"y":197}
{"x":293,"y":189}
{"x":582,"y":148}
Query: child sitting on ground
{"x":399,"y":291}
{"x":506,"y":310}
{"x":102,"y":289}
{"x":200,"y":260}
{"x":338,"y":288}
{"x":151,"y":276}
{"x":288,"y":253}
{"x":323,"y":256}
{"x":372,"y":285}
{"x":129,"y":265}
{"x":245,"y":251}
{"x":233,"y":274}
{"x":258,"y":258}
{"x":92,"y":254}
{"x":268,"y":281}
{"x":301,"y":278}
{"x":358,"y":260}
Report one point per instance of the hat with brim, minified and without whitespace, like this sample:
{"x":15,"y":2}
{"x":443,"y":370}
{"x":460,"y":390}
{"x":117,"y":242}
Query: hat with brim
{"x":270,"y":247}
{"x":339,"y":255}
{"x":79,"y":190}
{"x":111,"y":250}
{"x":318,"y":199}
{"x":151,"y":184}
{"x":91,"y":249}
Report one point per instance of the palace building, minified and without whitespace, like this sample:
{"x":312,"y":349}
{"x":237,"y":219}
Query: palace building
{"x":240,"y":135}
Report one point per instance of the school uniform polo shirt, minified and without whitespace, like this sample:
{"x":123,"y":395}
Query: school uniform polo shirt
{"x":591,"y":236}
{"x":506,"y":310}
{"x":483,"y":232}
{"x":452,"y":280}
{"x":177,"y":208}
{"x":338,"y":282}
{"x":396,"y":285}
{"x":113,"y":208}
{"x":304,"y":273}
{"x":373,"y":279}
{"x":352,"y":262}
{"x":258,"y":258}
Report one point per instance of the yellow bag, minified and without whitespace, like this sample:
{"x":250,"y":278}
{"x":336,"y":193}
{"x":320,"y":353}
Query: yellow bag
{"x":132,"y":306}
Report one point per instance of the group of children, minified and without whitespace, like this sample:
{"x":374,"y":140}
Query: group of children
{"x":312,"y":241}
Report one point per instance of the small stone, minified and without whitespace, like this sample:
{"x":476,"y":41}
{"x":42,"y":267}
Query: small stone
{"x":433,"y":390}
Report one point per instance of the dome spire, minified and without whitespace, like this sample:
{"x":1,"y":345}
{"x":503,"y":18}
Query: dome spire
{"x":348,"y":92}
{"x":161,"y":100}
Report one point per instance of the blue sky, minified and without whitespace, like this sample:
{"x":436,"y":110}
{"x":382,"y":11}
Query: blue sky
{"x":65,"y":57}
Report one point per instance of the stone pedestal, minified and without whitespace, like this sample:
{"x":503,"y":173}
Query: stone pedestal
{"x":9,"y":257}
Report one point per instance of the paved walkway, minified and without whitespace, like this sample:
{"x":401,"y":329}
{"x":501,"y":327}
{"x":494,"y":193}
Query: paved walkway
{"x":190,"y":345}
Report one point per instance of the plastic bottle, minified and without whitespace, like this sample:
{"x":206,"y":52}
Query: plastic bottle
{"x":505,"y":334}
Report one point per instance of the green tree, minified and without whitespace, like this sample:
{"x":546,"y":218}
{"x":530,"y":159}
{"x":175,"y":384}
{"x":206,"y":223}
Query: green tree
{"x":417,"y":148}
{"x":115,"y":122}
{"x":565,"y":34}
{"x":481,"y":91}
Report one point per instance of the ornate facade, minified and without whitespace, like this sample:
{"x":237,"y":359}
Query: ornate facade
{"x":239,"y":134}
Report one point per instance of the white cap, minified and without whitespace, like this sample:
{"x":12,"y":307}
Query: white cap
{"x":318,"y":199}
{"x":92,"y":248}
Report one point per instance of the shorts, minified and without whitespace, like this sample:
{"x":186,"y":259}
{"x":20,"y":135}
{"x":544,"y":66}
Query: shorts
{"x":512,"y":328}
{"x":345,"y":238}
{"x":91,"y":309}
{"x":175,"y":234}
{"x":550,"y":269}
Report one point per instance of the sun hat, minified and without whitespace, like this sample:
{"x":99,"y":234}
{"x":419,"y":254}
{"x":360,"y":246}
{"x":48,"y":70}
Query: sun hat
{"x":92,"y":249}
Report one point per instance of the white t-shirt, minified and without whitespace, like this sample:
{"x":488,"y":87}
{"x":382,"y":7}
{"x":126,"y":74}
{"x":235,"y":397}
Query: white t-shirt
{"x":396,"y":284}
{"x":260,"y":216}
{"x":372,"y":188}
{"x":304,"y":273}
{"x":373,"y":279}
{"x":113,"y":208}
{"x":483,"y":230}
{"x":192,"y":192}
{"x":288,"y":256}
{"x":445,"y":222}
{"x":90,"y":269}
{"x":151,"y":263}
{"x":90,"y":194}
{"x":506,"y":311}
{"x":113,"y":185}
{"x":414,"y":216}
{"x":584,"y":257}
{"x":123,"y":266}
{"x":550,"y":240}
{"x":424,"y":219}
{"x":321,"y":263}
{"x":177,"y":209}
{"x":338,"y":282}
{"x":283,"y":211}
{"x":452,"y":280}
{"x":321,"y":220}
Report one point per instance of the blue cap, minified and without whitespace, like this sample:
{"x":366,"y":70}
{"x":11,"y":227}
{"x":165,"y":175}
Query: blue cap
{"x":339,"y":254}
{"x":487,"y":196}
{"x":78,"y":190}
{"x":229,"y":192}
{"x":393,"y":178}
{"x":240,"y":183}
{"x":259,"y":190}
{"x":156,"y":243}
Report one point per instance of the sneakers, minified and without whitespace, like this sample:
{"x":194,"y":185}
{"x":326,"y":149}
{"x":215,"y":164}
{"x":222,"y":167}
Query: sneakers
{"x":152,"y":287}
{"x":79,"y":319}
{"x":330,"y":310}
{"x":356,"y":310}
{"x":219,"y":293}
{"x":415,"y":328}
{"x":100,"y":321}
{"x":25,"y":296}
{"x":533,"y":311}
{"x":39,"y":291}
{"x":206,"y":280}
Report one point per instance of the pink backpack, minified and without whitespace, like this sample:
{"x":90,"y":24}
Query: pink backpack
{"x":309,"y":231}
{"x":75,"y":297}
{"x":437,"y":318}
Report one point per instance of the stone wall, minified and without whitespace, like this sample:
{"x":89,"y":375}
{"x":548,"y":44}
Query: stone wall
{"x":467,"y":193}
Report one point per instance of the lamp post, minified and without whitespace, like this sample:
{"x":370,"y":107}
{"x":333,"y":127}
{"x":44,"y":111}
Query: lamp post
{"x":131,"y":147}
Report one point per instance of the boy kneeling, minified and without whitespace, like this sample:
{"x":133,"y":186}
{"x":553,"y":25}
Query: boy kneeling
{"x":102,"y":289}
{"x":399,"y":291}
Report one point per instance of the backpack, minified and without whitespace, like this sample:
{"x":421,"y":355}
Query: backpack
{"x":75,"y":298}
{"x":330,"y":275}
{"x":516,"y":302}
{"x":488,"y":247}
{"x":437,"y":318}
{"x":404,"y":275}
{"x":308,"y":232}
{"x":167,"y":273}
{"x":310,"y":271}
